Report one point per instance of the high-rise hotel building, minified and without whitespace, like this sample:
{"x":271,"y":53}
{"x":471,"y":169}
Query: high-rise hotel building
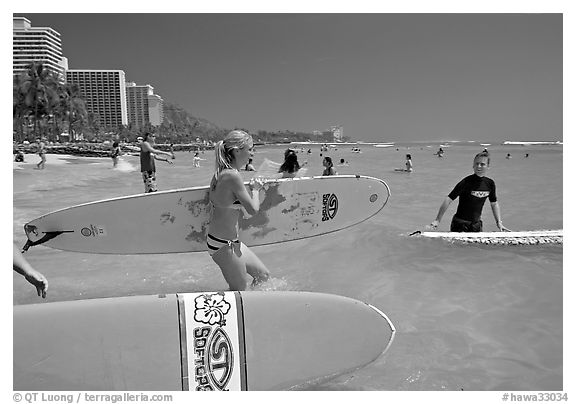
{"x":144,"y":107}
{"x":156,"y":109}
{"x":104,"y":92}
{"x":36,"y":44}
{"x":337,"y":133}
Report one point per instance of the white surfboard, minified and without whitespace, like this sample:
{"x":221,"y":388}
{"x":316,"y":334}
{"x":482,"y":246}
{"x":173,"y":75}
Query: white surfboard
{"x":500,"y":237}
{"x":177,"y":221}
{"x":195,"y":341}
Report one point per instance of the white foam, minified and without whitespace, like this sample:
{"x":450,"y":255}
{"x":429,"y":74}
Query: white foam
{"x":29,"y":159}
{"x":532,"y":143}
{"x":124,"y":166}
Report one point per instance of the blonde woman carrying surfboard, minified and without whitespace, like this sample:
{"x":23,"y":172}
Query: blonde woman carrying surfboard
{"x":228,"y":196}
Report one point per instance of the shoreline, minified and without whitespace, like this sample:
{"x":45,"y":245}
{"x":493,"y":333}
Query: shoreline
{"x":99,"y":149}
{"x":31,"y":159}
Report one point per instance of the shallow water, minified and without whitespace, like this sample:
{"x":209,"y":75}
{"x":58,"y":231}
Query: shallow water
{"x":469,"y":317}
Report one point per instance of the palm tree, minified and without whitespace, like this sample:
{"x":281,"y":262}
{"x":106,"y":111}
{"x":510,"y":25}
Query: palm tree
{"x":38,"y":89}
{"x":93,"y":122}
{"x":71,"y":107}
{"x":19,"y":110}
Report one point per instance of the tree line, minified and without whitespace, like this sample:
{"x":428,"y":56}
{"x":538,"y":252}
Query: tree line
{"x":43,"y":106}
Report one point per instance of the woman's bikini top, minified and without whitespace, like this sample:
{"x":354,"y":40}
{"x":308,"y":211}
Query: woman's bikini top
{"x":235,"y":205}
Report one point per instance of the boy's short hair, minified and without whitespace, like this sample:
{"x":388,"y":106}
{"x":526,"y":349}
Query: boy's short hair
{"x":483,"y":154}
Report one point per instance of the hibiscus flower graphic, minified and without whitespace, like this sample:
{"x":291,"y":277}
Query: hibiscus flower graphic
{"x":211,"y":309}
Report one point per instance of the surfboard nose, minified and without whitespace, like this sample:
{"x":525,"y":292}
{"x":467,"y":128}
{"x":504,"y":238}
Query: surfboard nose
{"x":328,"y":335}
{"x":195,"y":341}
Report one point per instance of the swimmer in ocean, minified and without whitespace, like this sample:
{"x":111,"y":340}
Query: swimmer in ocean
{"x":409,"y":166}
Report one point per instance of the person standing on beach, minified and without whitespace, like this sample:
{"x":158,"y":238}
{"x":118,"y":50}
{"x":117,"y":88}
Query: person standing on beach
{"x":42,"y":153}
{"x":472,"y":191}
{"x":228,"y":195}
{"x":147,"y":167}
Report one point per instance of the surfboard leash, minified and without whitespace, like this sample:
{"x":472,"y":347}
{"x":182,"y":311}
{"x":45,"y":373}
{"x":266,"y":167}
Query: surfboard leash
{"x":49,"y":235}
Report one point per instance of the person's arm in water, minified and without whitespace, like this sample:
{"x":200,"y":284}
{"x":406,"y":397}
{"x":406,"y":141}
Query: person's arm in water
{"x":441,"y":212}
{"x":22,"y":266}
{"x":496,"y":211}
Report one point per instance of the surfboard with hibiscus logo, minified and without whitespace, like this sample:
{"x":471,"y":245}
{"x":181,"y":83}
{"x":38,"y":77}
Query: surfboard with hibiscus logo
{"x":221,"y":341}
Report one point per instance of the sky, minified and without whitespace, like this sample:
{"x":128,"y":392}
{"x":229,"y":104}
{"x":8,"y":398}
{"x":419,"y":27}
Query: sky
{"x":382,"y":76}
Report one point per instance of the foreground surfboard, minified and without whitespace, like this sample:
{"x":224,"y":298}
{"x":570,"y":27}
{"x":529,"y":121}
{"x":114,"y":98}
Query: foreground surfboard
{"x":195,"y":341}
{"x":500,"y":237}
{"x":177,"y":221}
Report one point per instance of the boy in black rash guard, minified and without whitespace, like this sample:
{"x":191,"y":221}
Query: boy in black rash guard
{"x":473,"y":191}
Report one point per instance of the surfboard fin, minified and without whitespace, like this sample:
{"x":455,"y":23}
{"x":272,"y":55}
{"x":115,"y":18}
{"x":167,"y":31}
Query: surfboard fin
{"x":47,"y":236}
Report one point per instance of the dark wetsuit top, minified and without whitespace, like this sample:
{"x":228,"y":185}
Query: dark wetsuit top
{"x":473,"y":191}
{"x":147,"y":161}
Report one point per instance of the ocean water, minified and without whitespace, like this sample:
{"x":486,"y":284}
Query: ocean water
{"x":468,"y":317}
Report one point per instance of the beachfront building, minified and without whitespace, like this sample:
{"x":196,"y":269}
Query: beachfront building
{"x":105,"y":94}
{"x":36,"y":44}
{"x":144,"y":107}
{"x":156,"y":109}
{"x":337,"y":133}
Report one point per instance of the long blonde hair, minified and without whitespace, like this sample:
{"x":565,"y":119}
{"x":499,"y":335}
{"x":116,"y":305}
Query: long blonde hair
{"x":236,"y":139}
